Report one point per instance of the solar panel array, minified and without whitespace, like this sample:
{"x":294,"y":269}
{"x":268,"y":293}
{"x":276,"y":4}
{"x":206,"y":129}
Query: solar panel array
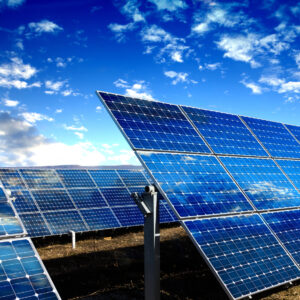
{"x":234,"y":188}
{"x":57,"y":201}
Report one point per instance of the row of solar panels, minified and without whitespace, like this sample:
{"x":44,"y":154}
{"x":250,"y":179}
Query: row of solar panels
{"x":151,"y":125}
{"x":53,"y":202}
{"x":223,"y":201}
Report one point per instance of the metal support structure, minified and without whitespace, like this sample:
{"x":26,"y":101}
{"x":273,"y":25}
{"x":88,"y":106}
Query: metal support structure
{"x":149,"y":206}
{"x":73,"y":233}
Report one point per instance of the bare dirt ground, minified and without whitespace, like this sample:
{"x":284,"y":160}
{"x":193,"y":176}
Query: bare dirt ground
{"x":109,"y":265}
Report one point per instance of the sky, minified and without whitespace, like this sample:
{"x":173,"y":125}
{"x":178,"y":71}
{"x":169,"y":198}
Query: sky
{"x":240,"y":57}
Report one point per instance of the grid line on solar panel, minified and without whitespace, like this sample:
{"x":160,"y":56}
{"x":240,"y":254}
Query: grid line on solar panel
{"x":35,"y":224}
{"x":294,"y":130}
{"x":243,"y":252}
{"x":286,"y":225}
{"x":292,"y":169}
{"x":195,"y":185}
{"x":224,"y":133}
{"x":105,"y":178}
{"x":40,"y":178}
{"x":263,"y":182}
{"x":72,"y":178}
{"x":22,"y":273}
{"x":153,"y":125}
{"x":275,"y":138}
{"x":132,"y":178}
{"x":11,"y":179}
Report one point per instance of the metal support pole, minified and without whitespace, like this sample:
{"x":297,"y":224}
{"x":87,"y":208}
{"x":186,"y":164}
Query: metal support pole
{"x":73,"y":233}
{"x":149,"y":206}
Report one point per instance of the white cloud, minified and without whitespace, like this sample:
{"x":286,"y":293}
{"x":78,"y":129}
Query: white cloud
{"x":17,"y":69}
{"x":33,"y":117}
{"x":12,"y":3}
{"x":297,"y":59}
{"x":74,"y":128}
{"x":177,"y":77}
{"x":19,"y":84}
{"x":271,"y":80}
{"x":58,"y":111}
{"x":67,"y":93}
{"x":132,"y":11}
{"x":10,"y":103}
{"x":79,"y":134}
{"x":170,"y":5}
{"x":98,"y":109}
{"x":121,"y":83}
{"x":213,"y":67}
{"x":256,"y":89}
{"x":177,"y":56}
{"x":155,"y":34}
{"x":121,"y":30}
{"x":44,"y":26}
{"x":291,"y":86}
{"x":200,"y":28}
{"x":54,"y":85}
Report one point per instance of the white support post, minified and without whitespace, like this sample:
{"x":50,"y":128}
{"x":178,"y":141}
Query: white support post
{"x":148,"y":204}
{"x":73,"y":233}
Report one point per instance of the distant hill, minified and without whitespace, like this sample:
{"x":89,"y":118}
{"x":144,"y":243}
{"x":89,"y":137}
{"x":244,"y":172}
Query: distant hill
{"x":119,"y":167}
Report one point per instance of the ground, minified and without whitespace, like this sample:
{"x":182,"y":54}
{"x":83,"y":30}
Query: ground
{"x":109,"y":265}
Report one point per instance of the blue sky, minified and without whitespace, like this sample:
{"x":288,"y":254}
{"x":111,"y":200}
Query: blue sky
{"x":238,"y":57}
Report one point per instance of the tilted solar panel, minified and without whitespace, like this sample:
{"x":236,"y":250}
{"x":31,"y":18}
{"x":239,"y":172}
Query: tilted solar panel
{"x":154,"y":125}
{"x":225,"y":133}
{"x":75,"y":178}
{"x":243,"y":253}
{"x":133,"y":178}
{"x":274,"y":136}
{"x":263,"y":182}
{"x":195,"y":185}
{"x":22,"y":274}
{"x":292,"y":169}
{"x":87,"y":198}
{"x":11,"y":179}
{"x":286,"y":225}
{"x":106,"y":178}
{"x":295,"y":130}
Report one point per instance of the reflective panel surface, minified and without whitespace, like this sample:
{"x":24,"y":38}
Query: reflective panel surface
{"x":263,"y":182}
{"x":295,"y":130}
{"x":106,"y":178}
{"x":195,"y":185}
{"x":274,"y":136}
{"x":11,"y":179}
{"x":292,"y":169}
{"x":75,"y":178}
{"x":243,"y":252}
{"x":225,"y":133}
{"x":154,"y":125}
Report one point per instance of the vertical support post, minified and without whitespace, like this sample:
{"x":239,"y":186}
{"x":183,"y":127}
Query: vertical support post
{"x":152,"y":245}
{"x":73,"y":233}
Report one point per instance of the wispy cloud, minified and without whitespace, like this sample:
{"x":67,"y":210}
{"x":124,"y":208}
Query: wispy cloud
{"x":255,"y":88}
{"x":170,"y":5}
{"x":11,"y":3}
{"x":44,"y":26}
{"x":54,"y":85}
{"x":33,"y":117}
{"x":178,"y":77}
{"x":74,"y":128}
{"x":10,"y":103}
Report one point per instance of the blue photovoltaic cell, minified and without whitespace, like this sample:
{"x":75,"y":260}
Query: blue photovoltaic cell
{"x":263,"y":182}
{"x":9,"y":224}
{"x":106,"y":178}
{"x":274,"y":136}
{"x":22,"y":275}
{"x":87,"y":198}
{"x":292,"y":169}
{"x":40,"y":179}
{"x":11,"y":179}
{"x":100,"y":218}
{"x":35,"y":224}
{"x":195,"y":185}
{"x":243,"y":252}
{"x":133,"y":178}
{"x":129,"y":215}
{"x":286,"y":225}
{"x":225,"y":133}
{"x":23,"y":201}
{"x":295,"y":130}
{"x":154,"y":125}
{"x":75,"y":178}
{"x":62,"y":222}
{"x":117,"y":196}
{"x":52,"y":199}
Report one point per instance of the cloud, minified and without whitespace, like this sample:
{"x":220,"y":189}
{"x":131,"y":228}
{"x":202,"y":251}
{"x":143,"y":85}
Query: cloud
{"x":170,"y":5}
{"x":74,"y":128}
{"x":14,"y":74}
{"x":120,"y":30}
{"x":79,"y":134}
{"x":44,"y":26}
{"x":256,"y":89}
{"x":297,"y":59}
{"x":121,"y":83}
{"x":33,"y":117}
{"x":98,"y":109}
{"x":12,"y":3}
{"x":54,"y":85}
{"x":177,"y":77}
{"x":10,"y":103}
{"x":211,"y":67}
{"x":290,"y":86}
{"x":58,"y":111}
{"x":156,"y":34}
{"x":131,"y":9}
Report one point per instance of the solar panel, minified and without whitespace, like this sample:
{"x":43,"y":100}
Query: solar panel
{"x":154,"y":125}
{"x":75,"y":178}
{"x":40,"y":179}
{"x":106,"y":178}
{"x":263,"y":182}
{"x":286,"y":225}
{"x":23,"y":202}
{"x":295,"y":130}
{"x":11,"y":179}
{"x":87,"y":198}
{"x":117,"y":196}
{"x":22,"y":274}
{"x":9,"y":222}
{"x":128,"y":215}
{"x":225,"y":133}
{"x":35,"y":224}
{"x":133,"y":178}
{"x":292,"y":169}
{"x":195,"y":185}
{"x":274,"y":136}
{"x":243,"y":253}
